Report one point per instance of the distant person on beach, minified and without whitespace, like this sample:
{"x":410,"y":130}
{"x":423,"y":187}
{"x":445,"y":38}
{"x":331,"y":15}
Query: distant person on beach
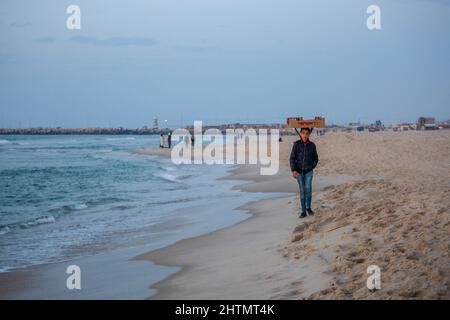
{"x":303,"y":160}
{"x":192,"y":140}
{"x":161,"y":141}
{"x":169,"y":140}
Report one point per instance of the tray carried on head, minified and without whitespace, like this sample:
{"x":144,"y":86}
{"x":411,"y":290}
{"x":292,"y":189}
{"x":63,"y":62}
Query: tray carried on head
{"x":317,"y":122}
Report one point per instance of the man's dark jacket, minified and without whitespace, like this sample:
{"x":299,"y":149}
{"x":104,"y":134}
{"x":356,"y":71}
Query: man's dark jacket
{"x":304,"y":157}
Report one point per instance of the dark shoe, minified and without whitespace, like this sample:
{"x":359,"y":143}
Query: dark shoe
{"x":310,"y":212}
{"x":303,"y":215}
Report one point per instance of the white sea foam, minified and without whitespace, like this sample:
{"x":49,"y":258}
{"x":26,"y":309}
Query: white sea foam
{"x":38,"y":221}
{"x":4,"y":230}
{"x":167,"y":177}
{"x":79,"y":206}
{"x":119,"y":139}
{"x":4,"y":141}
{"x":4,"y":269}
{"x":45,"y":219}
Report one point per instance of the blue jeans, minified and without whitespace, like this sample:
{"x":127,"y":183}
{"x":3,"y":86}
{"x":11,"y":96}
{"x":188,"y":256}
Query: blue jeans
{"x":305,"y":185}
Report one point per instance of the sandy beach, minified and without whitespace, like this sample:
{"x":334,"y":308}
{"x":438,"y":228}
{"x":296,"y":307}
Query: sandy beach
{"x":380,"y":199}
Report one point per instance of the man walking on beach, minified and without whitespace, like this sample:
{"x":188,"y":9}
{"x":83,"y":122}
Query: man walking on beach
{"x":161,"y":141}
{"x":303,"y":160}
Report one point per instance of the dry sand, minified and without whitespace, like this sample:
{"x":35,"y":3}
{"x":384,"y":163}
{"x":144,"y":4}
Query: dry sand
{"x":380,"y":199}
{"x":399,"y":214}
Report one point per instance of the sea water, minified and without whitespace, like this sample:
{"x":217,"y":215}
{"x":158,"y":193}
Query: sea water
{"x":64,"y":197}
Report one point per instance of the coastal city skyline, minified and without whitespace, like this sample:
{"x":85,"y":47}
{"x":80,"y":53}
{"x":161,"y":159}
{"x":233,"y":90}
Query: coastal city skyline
{"x":156,"y":123}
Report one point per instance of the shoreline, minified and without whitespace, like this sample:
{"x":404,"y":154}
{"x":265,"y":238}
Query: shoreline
{"x":214,"y":266}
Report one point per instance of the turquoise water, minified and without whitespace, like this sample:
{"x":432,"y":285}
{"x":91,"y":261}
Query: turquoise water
{"x":64,"y":197}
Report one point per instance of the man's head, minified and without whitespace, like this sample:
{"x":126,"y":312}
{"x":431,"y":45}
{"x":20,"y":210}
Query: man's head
{"x":304,"y":134}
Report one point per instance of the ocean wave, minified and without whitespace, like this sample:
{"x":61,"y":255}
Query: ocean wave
{"x":104,"y":200}
{"x":3,"y":141}
{"x":27,"y":224}
{"x":120,"y":139}
{"x":69,"y":208}
{"x":167,"y":177}
{"x":186,"y":176}
{"x":80,"y":206}
{"x":174,"y":201}
{"x":4,"y":230}
{"x":38,"y":221}
{"x":122,"y":207}
{"x":4,"y":269}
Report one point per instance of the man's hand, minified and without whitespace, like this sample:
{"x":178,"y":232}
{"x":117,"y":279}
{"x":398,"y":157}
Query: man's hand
{"x":294,"y":174}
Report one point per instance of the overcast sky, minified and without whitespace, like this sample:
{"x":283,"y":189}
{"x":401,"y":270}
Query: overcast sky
{"x":222,"y":61}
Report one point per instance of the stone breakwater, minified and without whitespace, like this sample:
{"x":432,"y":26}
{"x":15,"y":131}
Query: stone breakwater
{"x":81,"y":131}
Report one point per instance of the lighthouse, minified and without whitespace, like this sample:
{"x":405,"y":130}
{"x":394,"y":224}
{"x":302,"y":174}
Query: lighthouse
{"x":155,"y":123}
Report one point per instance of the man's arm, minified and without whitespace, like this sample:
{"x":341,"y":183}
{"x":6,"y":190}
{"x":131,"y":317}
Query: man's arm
{"x":315,"y":157}
{"x":292,"y":158}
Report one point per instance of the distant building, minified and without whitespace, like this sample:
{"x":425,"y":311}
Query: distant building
{"x":444,"y":124}
{"x":377,"y":126}
{"x":426,"y":123}
{"x":155,"y":123}
{"x":354,"y":125}
{"x":403,"y":127}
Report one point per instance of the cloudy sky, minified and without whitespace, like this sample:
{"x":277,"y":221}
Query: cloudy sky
{"x":222,"y":61}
